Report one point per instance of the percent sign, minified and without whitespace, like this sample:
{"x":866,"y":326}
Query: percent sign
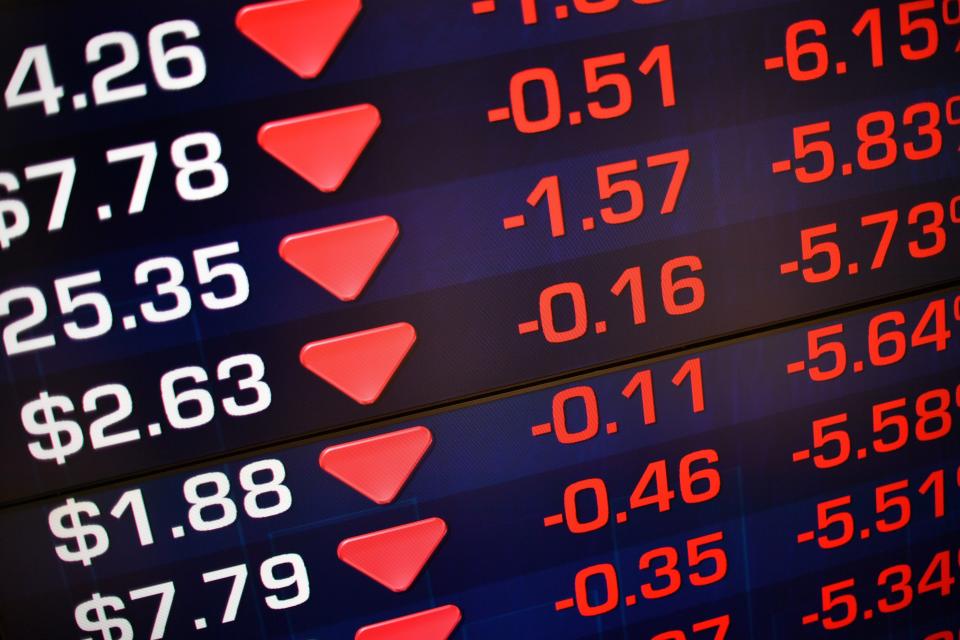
{"x":951,"y":16}
{"x":952,"y":108}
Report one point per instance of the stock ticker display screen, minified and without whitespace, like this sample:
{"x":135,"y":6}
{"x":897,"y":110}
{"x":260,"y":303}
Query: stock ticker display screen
{"x":480,"y":319}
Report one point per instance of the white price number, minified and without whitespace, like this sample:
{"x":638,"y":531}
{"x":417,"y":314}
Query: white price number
{"x":175,"y":401}
{"x":211,"y":508}
{"x":106,"y":84}
{"x":99,"y":614}
{"x":48,"y":417}
{"x":196,"y":156}
{"x":166,"y":275}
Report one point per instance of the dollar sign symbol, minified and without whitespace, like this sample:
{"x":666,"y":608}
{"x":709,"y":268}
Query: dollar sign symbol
{"x":14,"y":219}
{"x":100,"y":622}
{"x":66,"y":436}
{"x":75,"y":530}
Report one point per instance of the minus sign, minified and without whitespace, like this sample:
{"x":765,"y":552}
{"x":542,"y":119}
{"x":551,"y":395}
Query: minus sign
{"x":789,"y":267}
{"x":552,"y":521}
{"x":781,"y":166}
{"x":796,"y":367}
{"x":484,"y":6}
{"x":564,"y":604}
{"x":498,"y":115}
{"x":514,"y":222}
{"x":541,"y":429}
{"x":528,"y":327}
{"x":811,"y":618}
{"x":775,"y":62}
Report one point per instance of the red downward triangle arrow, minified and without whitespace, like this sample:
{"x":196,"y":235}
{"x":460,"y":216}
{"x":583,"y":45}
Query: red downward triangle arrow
{"x":378,"y":467}
{"x":360,"y":364}
{"x":301,"y":34}
{"x":394,"y":557}
{"x":343,"y":258}
{"x":434,"y":624}
{"x":321,"y":147}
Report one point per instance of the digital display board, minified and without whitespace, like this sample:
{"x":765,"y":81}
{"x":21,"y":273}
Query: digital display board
{"x":480,"y":319}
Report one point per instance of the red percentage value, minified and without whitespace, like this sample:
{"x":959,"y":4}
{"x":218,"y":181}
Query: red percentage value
{"x":615,"y":186}
{"x":701,"y":563}
{"x":930,"y":419}
{"x":698,"y":480}
{"x":584,"y":399}
{"x":807,"y":54}
{"x":818,"y":248}
{"x":600,"y":73}
{"x":841,"y":605}
{"x":878,"y":148}
{"x":680,"y":296}
{"x":893,"y":509}
{"x":887,"y":343}
{"x":530,"y":9}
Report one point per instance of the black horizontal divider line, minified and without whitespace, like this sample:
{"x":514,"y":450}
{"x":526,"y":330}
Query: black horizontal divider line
{"x":504,"y":392}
